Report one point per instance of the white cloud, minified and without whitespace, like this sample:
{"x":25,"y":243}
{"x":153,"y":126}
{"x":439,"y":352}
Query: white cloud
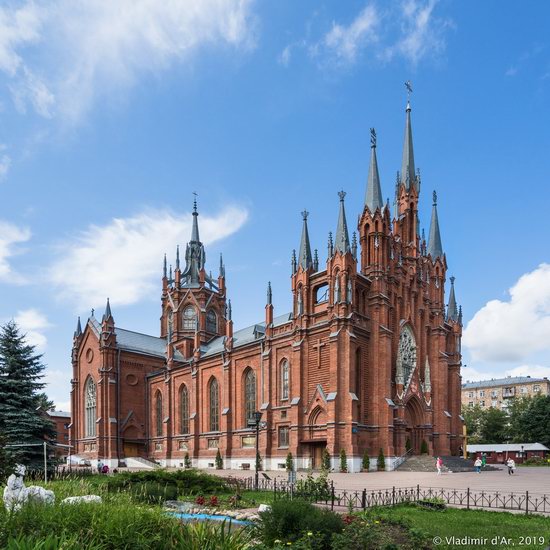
{"x":535,"y":371}
{"x":285,"y":55}
{"x":345,"y":42}
{"x":123,"y":259}
{"x":409,"y":30}
{"x":421,"y":31}
{"x":512,"y":330}
{"x":10,"y":235}
{"x":33,"y":323}
{"x":5,"y":162}
{"x":61,"y":55}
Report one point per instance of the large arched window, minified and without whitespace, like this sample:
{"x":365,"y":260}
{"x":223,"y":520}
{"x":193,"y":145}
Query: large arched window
{"x":211,"y":321}
{"x":189,"y":318}
{"x":285,"y":374}
{"x":158,"y":414}
{"x":90,"y":405}
{"x":184,"y":409}
{"x":214,"y":406}
{"x":249,"y":396}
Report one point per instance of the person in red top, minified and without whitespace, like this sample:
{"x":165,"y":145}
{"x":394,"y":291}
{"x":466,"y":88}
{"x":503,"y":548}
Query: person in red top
{"x":439,"y":465}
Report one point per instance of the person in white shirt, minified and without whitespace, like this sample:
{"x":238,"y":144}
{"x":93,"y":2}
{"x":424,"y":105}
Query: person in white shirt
{"x":511,"y":466}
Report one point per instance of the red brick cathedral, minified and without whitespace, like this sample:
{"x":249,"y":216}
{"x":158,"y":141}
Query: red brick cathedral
{"x":368,"y":358}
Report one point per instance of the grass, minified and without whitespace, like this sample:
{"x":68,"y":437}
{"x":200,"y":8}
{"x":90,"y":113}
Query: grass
{"x":458,"y":523}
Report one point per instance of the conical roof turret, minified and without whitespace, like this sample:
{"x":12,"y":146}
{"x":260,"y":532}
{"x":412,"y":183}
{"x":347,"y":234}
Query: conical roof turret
{"x":373,"y":196}
{"x":341,"y":243}
{"x":305,"y":259}
{"x":408,"y":171}
{"x":452,"y":309}
{"x":435,"y":249}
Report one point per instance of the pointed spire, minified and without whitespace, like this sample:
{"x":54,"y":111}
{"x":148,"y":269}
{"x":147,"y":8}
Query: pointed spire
{"x":293,"y":262}
{"x":78,"y":330}
{"x":304,"y":257}
{"x":354,"y":245}
{"x":229,"y":310}
{"x":460,"y":315}
{"x":107,"y":313}
{"x":315,"y":260}
{"x":408,"y":171}
{"x":330,"y":245}
{"x":177,"y":257}
{"x":269,"y":294}
{"x":195,"y":230}
{"x":452,"y":310}
{"x":434,"y":240}
{"x":164,"y":267}
{"x":342,"y":236}
{"x":373,"y":196}
{"x":170,"y":278}
{"x":222,"y":267}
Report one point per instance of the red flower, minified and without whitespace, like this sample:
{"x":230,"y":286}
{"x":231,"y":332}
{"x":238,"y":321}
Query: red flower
{"x":348,"y":519}
{"x":213,"y":500}
{"x":200,"y":500}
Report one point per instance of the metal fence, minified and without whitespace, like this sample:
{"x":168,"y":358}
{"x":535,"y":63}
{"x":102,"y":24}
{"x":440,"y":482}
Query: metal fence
{"x":340,"y":499}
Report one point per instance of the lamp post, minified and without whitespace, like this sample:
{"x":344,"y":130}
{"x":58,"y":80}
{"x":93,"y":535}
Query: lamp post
{"x":256,"y":422}
{"x":522,"y":453}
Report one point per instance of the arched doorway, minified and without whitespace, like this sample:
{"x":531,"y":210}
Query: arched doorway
{"x":317,"y":436}
{"x":414,"y":421}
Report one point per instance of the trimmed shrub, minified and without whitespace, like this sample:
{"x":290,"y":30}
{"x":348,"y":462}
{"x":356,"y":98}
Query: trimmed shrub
{"x":381,"y":462}
{"x":343,"y":461}
{"x":366,"y":462}
{"x":258,"y":461}
{"x":219,"y":461}
{"x":314,"y":489}
{"x":407,"y":445}
{"x":288,"y":520}
{"x":423,"y":447}
{"x":187,"y":461}
{"x":289,"y":462}
{"x":325,"y":462}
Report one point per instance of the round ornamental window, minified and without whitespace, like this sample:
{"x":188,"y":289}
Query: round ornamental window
{"x":89,"y":355}
{"x":131,"y":379}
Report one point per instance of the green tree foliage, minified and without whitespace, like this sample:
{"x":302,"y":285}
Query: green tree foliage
{"x":366,"y":461}
{"x":289,"y":462}
{"x":187,"y":461}
{"x":424,"y":447}
{"x":343,"y":461}
{"x":21,"y":422}
{"x":536,"y":421}
{"x":381,"y":462}
{"x":472,"y":418}
{"x":493,"y":426}
{"x":6,"y":461}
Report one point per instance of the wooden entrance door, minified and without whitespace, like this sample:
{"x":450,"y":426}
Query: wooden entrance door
{"x":130,"y":449}
{"x":317,"y":456}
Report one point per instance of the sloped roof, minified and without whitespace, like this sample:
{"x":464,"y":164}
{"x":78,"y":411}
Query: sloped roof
{"x":63,"y":414}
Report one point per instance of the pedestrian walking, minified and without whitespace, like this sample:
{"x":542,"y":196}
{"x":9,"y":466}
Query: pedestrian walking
{"x":439,"y":465}
{"x":478,"y":464}
{"x":99,"y":466}
{"x":511,"y":466}
{"x":483,"y":460}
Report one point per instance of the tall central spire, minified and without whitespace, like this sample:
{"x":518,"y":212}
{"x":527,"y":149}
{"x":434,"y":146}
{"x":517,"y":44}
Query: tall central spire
{"x":341,"y":243}
{"x":373,"y":196}
{"x":195,"y":231}
{"x":195,"y":257}
{"x":435,"y":249}
{"x":305,"y":259}
{"x":408,"y":172}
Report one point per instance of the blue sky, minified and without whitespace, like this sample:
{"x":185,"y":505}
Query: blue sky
{"x":111,"y":115}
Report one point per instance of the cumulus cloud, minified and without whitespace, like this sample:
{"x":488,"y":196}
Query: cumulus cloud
{"x":61,"y":55}
{"x":10,"y":236}
{"x":122,"y":259}
{"x":33,"y":323}
{"x":511,"y":330}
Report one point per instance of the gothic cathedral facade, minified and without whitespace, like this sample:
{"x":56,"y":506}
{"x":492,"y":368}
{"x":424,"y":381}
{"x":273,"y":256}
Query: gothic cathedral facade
{"x":368,"y":359}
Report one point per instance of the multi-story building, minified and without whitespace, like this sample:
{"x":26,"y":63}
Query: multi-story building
{"x":62,"y":421}
{"x":498,"y":392}
{"x":367,"y":359}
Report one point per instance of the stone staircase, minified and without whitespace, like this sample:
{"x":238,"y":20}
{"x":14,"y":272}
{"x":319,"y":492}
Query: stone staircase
{"x":141,"y":463}
{"x":426,"y":463}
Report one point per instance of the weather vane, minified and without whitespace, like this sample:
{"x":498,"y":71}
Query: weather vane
{"x":372,"y":137}
{"x":409,"y":87}
{"x":195,"y":200}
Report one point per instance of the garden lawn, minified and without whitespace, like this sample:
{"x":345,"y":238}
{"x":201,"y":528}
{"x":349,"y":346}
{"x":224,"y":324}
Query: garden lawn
{"x":458,"y":523}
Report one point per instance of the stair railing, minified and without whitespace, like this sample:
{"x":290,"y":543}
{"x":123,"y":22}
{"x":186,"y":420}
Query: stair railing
{"x":400,"y":459}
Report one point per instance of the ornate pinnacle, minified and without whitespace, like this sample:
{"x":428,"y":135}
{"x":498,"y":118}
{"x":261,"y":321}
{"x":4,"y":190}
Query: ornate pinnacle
{"x":342,"y":195}
{"x":434,"y":198}
{"x":269,"y":293}
{"x":305,"y":214}
{"x":372,"y":137}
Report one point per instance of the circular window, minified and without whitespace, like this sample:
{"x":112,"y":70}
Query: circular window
{"x":131,"y":379}
{"x":89,"y":355}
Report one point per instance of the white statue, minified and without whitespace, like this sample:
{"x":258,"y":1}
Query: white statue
{"x":16,"y":494}
{"x":90,"y":499}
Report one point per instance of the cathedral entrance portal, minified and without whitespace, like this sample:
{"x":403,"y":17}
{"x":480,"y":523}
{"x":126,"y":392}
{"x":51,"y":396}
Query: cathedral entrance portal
{"x":413,"y":419}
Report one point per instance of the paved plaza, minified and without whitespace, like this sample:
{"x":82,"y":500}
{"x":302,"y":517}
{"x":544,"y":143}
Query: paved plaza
{"x":532,"y":479}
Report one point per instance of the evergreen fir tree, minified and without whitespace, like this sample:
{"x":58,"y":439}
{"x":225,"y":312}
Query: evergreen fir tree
{"x":289,"y":462}
{"x":366,"y":462}
{"x":22,"y":420}
{"x":343,"y":461}
{"x":326,"y":460}
{"x":381,"y":462}
{"x":219,"y":461}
